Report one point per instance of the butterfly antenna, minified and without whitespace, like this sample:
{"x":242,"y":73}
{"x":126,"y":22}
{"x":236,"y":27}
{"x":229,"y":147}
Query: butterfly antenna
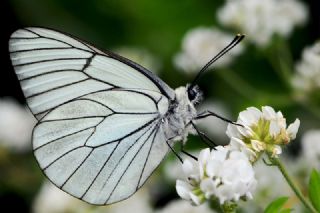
{"x":232,"y":44}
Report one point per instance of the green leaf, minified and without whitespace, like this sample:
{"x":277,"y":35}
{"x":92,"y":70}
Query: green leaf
{"x":276,"y":205}
{"x":285,"y":211}
{"x":314,"y":189}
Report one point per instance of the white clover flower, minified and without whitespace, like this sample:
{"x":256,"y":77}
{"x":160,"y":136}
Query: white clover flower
{"x":307,"y":77}
{"x":311,"y":148}
{"x":222,"y":174}
{"x":200,"y":45}
{"x":264,"y":130}
{"x":140,"y":56}
{"x":181,"y":206}
{"x":16,"y":123}
{"x":260,"y":20}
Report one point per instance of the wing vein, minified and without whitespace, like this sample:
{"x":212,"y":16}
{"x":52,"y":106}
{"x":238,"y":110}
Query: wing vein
{"x":55,"y":88}
{"x":100,"y":170}
{"x":45,"y":48}
{"x":53,"y":71}
{"x":87,"y":65}
{"x":61,"y":156}
{"x":107,"y":162}
{"x":131,"y":133}
{"x":49,"y":142}
{"x":144,"y":165}
{"x":49,"y":60}
{"x":83,"y":117}
{"x":97,"y":102}
{"x":50,"y":38}
{"x":76,"y":169}
{"x":89,"y":93}
{"x":153,"y":131}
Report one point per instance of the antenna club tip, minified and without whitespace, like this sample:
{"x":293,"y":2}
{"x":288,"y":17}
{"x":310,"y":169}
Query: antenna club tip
{"x":241,"y":35}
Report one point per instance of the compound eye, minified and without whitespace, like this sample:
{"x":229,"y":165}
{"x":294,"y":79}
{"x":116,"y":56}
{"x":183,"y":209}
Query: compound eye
{"x":192,"y":94}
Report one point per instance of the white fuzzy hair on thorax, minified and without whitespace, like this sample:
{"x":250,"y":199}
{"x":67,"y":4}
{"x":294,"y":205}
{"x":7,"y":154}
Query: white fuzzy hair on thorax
{"x":176,"y":123}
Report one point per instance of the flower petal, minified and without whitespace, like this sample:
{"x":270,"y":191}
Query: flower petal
{"x":188,"y":167}
{"x":293,"y":129}
{"x":183,"y":189}
{"x":276,"y":151}
{"x":213,"y":168}
{"x":204,"y":156}
{"x":250,"y":116}
{"x":195,"y":199}
{"x":274,"y":128}
{"x":268,"y":113}
{"x":208,"y":186}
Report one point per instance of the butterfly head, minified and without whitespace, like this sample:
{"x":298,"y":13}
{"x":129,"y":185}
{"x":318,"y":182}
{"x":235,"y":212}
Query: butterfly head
{"x":194,"y":94}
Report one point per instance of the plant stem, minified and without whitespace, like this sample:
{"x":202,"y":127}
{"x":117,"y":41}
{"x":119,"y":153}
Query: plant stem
{"x":291,"y":183}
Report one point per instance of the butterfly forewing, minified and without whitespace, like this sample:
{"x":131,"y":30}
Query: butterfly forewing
{"x":54,"y":68}
{"x":99,"y":135}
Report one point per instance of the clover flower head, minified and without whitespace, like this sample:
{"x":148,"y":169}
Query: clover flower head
{"x":223,"y":174}
{"x":260,"y":20}
{"x":264,"y":130}
{"x":307,"y":76}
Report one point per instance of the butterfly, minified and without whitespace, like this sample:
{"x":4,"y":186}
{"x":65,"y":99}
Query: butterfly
{"x":104,"y":122}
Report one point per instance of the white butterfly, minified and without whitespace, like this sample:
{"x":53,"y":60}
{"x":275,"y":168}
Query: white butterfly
{"x":104,"y":122}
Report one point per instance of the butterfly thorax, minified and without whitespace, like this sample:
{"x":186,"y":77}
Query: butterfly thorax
{"x":176,"y":122}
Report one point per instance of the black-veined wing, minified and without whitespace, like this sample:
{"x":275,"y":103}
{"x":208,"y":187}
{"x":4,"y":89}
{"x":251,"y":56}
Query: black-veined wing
{"x":54,"y":68}
{"x":100,"y":149}
{"x":99,"y":135}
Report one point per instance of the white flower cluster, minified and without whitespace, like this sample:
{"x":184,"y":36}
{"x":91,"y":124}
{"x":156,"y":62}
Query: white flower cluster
{"x":200,"y":45}
{"x":307,"y":77}
{"x":16,"y":123}
{"x":223,"y":174}
{"x":226,"y":173}
{"x":264,"y":130}
{"x":260,"y":20}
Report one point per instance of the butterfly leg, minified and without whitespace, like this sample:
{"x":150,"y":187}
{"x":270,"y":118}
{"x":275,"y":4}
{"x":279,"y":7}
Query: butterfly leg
{"x":187,"y":153}
{"x":204,"y":138}
{"x":208,"y":113}
{"x":182,"y":150}
{"x":174,"y":152}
